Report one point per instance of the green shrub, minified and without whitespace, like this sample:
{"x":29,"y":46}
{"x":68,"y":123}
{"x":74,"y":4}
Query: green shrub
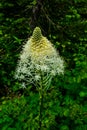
{"x":60,"y":111}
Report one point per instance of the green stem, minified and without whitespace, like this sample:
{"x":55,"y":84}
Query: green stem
{"x":41,"y":108}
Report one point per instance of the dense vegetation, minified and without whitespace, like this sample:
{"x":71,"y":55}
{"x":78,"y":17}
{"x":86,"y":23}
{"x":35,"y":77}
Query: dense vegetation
{"x":64,"y":23}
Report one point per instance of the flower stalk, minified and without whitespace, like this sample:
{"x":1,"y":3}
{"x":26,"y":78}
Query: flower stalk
{"x":41,"y":107}
{"x":39,"y":62}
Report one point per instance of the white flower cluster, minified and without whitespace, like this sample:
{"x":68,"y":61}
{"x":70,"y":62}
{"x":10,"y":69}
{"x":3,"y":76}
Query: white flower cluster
{"x":38,"y":59}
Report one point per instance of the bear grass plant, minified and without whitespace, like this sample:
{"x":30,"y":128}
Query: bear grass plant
{"x":39,"y":62}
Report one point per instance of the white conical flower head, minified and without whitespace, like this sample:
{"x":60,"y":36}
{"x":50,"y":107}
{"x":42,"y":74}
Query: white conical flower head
{"x":38,"y":58}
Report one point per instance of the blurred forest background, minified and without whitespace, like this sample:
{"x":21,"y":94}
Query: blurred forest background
{"x":64,"y":23}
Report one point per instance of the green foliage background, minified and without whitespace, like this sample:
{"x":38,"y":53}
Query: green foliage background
{"x":64,"y":23}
